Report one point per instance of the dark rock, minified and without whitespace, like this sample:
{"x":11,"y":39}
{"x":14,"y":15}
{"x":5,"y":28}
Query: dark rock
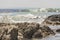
{"x":58,"y":30}
{"x":43,"y":32}
{"x":14,"y":34}
{"x":38,"y":35}
{"x":53,"y":19}
{"x":30,"y":30}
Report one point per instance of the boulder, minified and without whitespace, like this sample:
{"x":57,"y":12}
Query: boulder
{"x":30,"y":30}
{"x":43,"y":32}
{"x":52,"y":20}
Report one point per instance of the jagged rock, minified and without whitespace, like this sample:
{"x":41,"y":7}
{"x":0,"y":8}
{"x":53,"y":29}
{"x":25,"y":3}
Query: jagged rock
{"x":53,"y":20}
{"x":20,"y":31}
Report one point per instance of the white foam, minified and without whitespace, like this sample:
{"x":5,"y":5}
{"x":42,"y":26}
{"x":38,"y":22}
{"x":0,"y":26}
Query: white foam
{"x":23,"y":18}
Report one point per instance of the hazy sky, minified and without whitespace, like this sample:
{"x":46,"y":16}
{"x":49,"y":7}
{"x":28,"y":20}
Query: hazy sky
{"x":29,"y":3}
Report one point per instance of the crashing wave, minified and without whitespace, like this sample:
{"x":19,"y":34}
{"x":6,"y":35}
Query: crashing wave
{"x":22,"y":18}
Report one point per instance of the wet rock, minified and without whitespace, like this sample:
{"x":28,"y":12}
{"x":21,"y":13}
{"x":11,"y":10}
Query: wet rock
{"x":38,"y":35}
{"x":53,"y":20}
{"x":30,"y":30}
{"x":14,"y":34}
{"x":58,"y":30}
{"x":48,"y":30}
{"x":6,"y":32}
{"x":24,"y":31}
{"x":43,"y":32}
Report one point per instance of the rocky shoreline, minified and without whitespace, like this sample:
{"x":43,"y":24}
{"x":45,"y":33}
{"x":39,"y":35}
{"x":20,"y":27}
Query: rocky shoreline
{"x":24,"y":31}
{"x":29,"y":31}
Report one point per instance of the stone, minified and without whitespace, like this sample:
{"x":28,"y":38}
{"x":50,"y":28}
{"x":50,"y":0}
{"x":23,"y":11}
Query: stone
{"x":24,"y":31}
{"x":43,"y":32}
{"x":30,"y":30}
{"x":58,"y":30}
{"x":38,"y":35}
{"x":52,"y":20}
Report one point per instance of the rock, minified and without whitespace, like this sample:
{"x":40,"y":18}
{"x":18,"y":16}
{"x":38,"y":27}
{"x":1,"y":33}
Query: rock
{"x":43,"y":32}
{"x":30,"y":30}
{"x":58,"y":30}
{"x":53,"y":20}
{"x":38,"y":35}
{"x":6,"y":37}
{"x":24,"y":31}
{"x":14,"y":34}
{"x":46,"y":31}
{"x":20,"y":36}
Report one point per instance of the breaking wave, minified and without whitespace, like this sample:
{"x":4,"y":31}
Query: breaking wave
{"x":22,"y":18}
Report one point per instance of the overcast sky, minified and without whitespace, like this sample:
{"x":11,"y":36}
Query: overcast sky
{"x":29,"y":3}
